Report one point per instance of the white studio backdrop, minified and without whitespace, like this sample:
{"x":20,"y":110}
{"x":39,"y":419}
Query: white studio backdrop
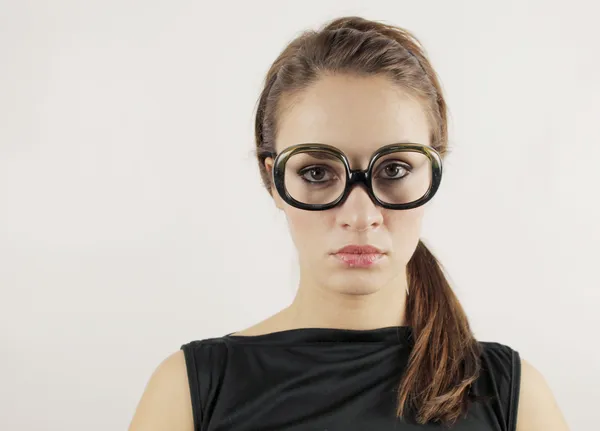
{"x":133,"y":219}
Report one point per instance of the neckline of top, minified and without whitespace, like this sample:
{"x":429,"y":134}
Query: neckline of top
{"x":388,"y":334}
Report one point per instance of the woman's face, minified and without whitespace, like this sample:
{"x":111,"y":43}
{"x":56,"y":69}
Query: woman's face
{"x":358,"y":115}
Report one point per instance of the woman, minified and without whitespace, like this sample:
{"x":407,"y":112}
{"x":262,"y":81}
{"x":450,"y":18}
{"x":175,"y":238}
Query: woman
{"x":351,"y":132}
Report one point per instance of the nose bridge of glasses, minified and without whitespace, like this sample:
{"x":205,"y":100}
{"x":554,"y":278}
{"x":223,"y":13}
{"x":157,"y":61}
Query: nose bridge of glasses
{"x":359,"y":178}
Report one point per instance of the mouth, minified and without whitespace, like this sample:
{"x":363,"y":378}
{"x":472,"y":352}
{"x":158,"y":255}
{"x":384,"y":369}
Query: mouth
{"x":359,"y":256}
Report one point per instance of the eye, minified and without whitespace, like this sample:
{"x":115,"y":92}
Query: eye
{"x":316,"y":174}
{"x":394,"y":170}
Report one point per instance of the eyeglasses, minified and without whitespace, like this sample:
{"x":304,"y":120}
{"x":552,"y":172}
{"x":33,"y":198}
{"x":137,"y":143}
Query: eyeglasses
{"x":317,"y":177}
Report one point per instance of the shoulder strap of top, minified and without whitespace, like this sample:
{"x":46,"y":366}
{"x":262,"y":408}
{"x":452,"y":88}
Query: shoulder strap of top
{"x":203,"y":360}
{"x":192,"y":373}
{"x":501,"y":377}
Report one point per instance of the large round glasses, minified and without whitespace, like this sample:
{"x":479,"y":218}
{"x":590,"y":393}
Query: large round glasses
{"x":316,"y":177}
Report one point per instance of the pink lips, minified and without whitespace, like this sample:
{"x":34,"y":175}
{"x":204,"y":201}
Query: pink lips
{"x":361,"y":256}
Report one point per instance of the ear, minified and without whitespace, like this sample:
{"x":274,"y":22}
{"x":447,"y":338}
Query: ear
{"x":269,"y":167}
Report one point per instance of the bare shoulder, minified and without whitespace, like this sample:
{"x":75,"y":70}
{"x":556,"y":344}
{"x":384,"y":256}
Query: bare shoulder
{"x":537,"y":410}
{"x":165,"y":402}
{"x":274,"y":323}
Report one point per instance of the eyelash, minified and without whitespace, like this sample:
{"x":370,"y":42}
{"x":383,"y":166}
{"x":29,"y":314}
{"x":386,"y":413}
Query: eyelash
{"x":406,"y":167}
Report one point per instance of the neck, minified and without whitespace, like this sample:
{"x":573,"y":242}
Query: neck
{"x":319,"y":306}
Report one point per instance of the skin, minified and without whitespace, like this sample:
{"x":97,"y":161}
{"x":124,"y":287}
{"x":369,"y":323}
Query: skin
{"x":357,"y":115}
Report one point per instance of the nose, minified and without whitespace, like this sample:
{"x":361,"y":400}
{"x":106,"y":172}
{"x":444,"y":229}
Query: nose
{"x":359,"y":213}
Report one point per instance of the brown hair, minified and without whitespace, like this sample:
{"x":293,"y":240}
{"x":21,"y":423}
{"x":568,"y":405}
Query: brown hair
{"x":445,"y":358}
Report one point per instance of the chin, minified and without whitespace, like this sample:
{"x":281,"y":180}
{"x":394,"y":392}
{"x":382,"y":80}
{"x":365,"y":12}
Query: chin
{"x":351,"y":282}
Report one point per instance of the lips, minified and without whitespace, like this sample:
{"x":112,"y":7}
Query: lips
{"x":359,"y":256}
{"x":359,"y":249}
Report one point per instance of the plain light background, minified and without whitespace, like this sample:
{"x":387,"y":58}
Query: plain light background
{"x":133,"y":218}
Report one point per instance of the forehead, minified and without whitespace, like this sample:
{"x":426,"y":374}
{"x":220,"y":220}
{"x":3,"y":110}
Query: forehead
{"x":356,"y":114}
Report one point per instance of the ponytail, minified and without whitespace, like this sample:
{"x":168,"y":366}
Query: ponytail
{"x":444,"y":360}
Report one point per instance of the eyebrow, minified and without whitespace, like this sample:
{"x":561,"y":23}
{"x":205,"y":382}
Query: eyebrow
{"x":327,"y":156}
{"x":321,"y":155}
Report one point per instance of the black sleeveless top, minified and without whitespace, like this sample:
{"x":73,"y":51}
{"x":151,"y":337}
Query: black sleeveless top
{"x":329,"y":380}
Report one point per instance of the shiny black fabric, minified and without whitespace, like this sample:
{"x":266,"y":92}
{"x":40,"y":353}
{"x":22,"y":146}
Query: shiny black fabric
{"x":329,"y":380}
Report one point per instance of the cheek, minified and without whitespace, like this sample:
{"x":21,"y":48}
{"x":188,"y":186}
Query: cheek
{"x":405,"y":229}
{"x":306,"y":226}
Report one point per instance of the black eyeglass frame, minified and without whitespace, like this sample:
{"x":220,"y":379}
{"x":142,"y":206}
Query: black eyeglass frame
{"x":356,"y":176}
